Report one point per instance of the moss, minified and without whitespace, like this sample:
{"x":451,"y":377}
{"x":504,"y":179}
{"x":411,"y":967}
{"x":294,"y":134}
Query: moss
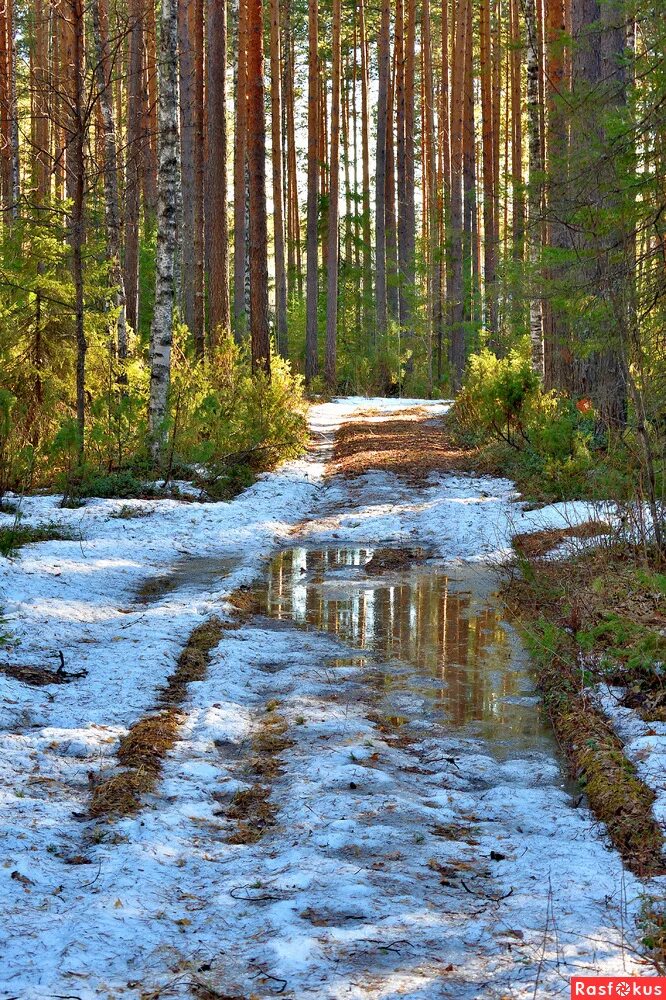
{"x":554,"y":607}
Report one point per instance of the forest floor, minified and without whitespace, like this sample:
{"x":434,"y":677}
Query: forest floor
{"x":304,"y":755}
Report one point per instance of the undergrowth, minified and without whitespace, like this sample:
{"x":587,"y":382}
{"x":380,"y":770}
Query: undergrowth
{"x":599,"y":618}
{"x":552,"y":446}
{"x":17,"y":535}
{"x":224,"y":425}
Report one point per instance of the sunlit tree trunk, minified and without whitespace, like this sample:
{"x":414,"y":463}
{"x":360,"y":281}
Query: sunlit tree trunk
{"x":190,"y":32}
{"x":535,"y":190}
{"x":161,"y":334}
{"x":365,"y":152}
{"x":312,"y":282}
{"x":333,"y":238}
{"x":488,"y":156}
{"x":240,"y":158}
{"x":455,"y":286}
{"x":256,"y":156}
{"x":384,"y":65}
{"x":217,"y":224}
{"x":278,"y":197}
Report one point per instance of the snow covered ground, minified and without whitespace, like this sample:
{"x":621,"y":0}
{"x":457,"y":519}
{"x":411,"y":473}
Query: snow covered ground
{"x":355,"y":892}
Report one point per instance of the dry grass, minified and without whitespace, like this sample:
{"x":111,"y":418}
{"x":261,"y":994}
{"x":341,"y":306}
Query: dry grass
{"x":410,"y":447}
{"x":533,"y":544}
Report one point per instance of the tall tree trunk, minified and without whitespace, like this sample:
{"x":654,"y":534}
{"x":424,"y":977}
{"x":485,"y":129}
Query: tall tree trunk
{"x":365,"y":150}
{"x":410,"y":178}
{"x":150,"y":127}
{"x":217,"y":223}
{"x":333,"y":239}
{"x":557,"y":349}
{"x":161,"y":334}
{"x":294,"y":240}
{"x":240,"y":157}
{"x":488,"y":155}
{"x":404,"y":289}
{"x":430,"y":187}
{"x":606,"y":265}
{"x":384,"y":66}
{"x":190,"y":30}
{"x":76,"y":140}
{"x":40,"y":93}
{"x":518,"y":206}
{"x":445,"y":145}
{"x":134,"y":161}
{"x":470,"y":218}
{"x":535,"y":190}
{"x":256,"y":155}
{"x":278,"y":197}
{"x":455,"y":284}
{"x":312,"y":285}
{"x":111,"y":200}
{"x":389,"y":198}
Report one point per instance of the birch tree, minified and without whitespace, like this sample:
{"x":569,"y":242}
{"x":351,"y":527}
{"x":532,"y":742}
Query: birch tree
{"x":161,"y":334}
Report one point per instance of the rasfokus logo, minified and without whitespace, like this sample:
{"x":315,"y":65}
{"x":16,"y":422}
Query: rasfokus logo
{"x":618,"y":986}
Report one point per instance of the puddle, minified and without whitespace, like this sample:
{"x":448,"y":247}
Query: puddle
{"x":195,"y":573}
{"x":431,"y":637}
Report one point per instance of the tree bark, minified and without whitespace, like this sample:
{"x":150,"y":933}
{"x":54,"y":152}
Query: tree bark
{"x":384,"y":67}
{"x":240,"y":157}
{"x":333,"y":238}
{"x":455,"y":285}
{"x":161,"y":334}
{"x":76,"y":159}
{"x":217,"y":223}
{"x":312,"y":282}
{"x":256,"y":154}
{"x":488,"y":157}
{"x":111,"y":199}
{"x":134,"y":161}
{"x":278,"y":196}
{"x":190,"y":31}
{"x":535,"y":190}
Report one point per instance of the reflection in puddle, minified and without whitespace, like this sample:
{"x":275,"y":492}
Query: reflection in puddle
{"x":432,"y":630}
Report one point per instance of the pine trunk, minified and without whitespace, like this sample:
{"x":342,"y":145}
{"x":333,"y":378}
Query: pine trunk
{"x":312,"y":278}
{"x":333,"y":240}
{"x":384,"y":66}
{"x":111,"y":199}
{"x":217,"y":223}
{"x":278,"y":197}
{"x":256,"y":156}
{"x":240,"y":157}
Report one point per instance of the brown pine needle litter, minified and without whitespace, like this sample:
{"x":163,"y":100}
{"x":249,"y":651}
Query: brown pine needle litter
{"x":143,"y":750}
{"x":411,"y":447}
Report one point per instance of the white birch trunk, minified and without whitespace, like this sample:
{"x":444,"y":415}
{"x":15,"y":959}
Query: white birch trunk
{"x":161,"y":333}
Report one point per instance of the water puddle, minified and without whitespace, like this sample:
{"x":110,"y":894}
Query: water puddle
{"x":197,"y":573}
{"x":430,"y":636}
